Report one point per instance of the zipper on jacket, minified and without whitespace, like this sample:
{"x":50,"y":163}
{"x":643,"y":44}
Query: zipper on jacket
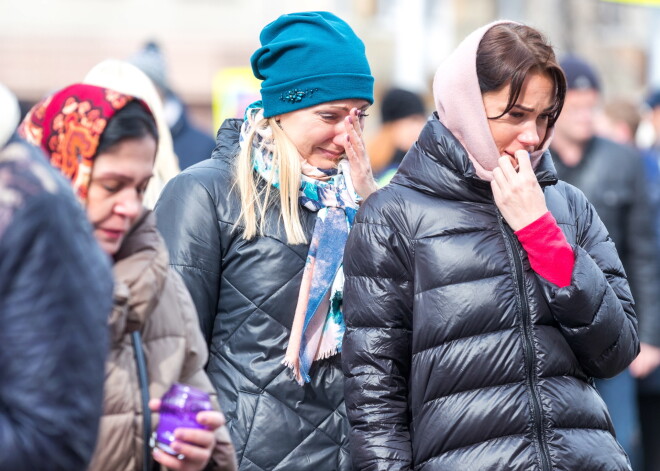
{"x":537,"y":416}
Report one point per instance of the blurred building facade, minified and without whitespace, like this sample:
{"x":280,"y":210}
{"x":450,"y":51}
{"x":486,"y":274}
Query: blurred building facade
{"x":46,"y":44}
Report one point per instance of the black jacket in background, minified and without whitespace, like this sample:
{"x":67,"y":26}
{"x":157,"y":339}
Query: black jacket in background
{"x":55,"y":299}
{"x":191,"y":144}
{"x":246,"y":294}
{"x":457,"y":355}
{"x":613,"y":179}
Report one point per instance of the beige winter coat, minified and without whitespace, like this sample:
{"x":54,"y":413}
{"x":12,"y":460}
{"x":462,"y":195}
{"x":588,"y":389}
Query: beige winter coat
{"x":151,"y":297}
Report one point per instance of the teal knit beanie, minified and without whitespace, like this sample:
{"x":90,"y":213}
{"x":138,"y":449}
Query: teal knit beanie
{"x":310,"y":58}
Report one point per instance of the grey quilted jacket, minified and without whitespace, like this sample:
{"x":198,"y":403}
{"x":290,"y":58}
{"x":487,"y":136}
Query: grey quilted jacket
{"x":245,"y":293}
{"x":457,"y":355}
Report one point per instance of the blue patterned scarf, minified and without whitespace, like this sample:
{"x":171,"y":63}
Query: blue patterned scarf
{"x":318,"y":325}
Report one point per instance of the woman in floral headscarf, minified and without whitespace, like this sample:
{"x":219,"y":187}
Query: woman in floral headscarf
{"x":258,"y":234}
{"x":105,"y":143}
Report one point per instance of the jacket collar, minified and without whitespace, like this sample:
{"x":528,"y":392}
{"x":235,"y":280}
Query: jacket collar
{"x":140,"y":268}
{"x":226,"y":143}
{"x":439,"y":165}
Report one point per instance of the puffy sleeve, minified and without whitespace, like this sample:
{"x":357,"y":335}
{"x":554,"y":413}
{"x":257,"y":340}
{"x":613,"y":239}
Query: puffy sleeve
{"x":376,"y":352}
{"x":596,"y":311}
{"x":186,"y":218}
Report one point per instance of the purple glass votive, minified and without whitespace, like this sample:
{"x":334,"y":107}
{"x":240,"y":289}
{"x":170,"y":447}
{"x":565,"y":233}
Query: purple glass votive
{"x":179,"y":407}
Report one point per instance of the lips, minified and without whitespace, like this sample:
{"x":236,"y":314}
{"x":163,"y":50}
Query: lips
{"x":112,"y":233}
{"x":331,"y":154}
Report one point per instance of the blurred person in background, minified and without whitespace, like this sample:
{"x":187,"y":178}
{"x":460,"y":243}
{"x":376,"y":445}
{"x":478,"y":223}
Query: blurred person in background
{"x":612,"y":176}
{"x":258,"y":234}
{"x":482,"y":293}
{"x":105,"y":143}
{"x":128,"y":79}
{"x":55,"y":295}
{"x":191,"y":144}
{"x":618,"y":121}
{"x":402,"y":118}
{"x":648,"y":373}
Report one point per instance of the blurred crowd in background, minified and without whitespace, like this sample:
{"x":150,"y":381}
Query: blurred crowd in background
{"x":197,"y":52}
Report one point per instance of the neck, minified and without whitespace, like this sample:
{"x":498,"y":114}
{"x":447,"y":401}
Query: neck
{"x":569,"y":150}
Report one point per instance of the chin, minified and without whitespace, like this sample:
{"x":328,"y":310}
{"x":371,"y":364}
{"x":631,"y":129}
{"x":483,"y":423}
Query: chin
{"x":110,"y":247}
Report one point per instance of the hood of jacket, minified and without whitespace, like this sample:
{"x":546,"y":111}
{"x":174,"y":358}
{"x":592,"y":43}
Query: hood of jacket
{"x":460,"y":106}
{"x":227,"y":141}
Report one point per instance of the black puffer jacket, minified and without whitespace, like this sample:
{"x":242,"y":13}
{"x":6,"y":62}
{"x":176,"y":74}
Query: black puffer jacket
{"x":457,"y":355}
{"x":246,"y":293}
{"x":613,"y":178}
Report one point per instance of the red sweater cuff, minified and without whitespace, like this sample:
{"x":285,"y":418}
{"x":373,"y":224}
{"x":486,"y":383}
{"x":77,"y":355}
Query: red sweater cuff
{"x":550,"y":255}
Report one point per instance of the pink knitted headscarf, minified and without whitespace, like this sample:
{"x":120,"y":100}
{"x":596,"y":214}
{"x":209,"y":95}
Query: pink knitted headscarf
{"x":461,"y":108}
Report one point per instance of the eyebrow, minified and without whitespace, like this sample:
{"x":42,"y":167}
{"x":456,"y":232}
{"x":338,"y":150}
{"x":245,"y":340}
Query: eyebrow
{"x":346,"y":108}
{"x":525,"y":108}
{"x":118,"y":176}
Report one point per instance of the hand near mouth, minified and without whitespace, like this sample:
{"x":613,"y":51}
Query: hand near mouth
{"x":517,"y":193}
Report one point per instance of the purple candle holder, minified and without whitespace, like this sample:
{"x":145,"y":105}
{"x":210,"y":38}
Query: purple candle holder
{"x":179,"y":407}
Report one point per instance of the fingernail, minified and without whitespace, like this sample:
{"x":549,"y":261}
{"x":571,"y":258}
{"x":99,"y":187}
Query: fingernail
{"x":350,"y":119}
{"x":348,"y":138}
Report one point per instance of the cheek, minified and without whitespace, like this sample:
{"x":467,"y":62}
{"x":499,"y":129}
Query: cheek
{"x":500,"y":133}
{"x":97,"y":208}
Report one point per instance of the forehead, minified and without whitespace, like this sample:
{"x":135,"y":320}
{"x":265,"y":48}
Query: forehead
{"x":127,"y":155}
{"x":345,"y":104}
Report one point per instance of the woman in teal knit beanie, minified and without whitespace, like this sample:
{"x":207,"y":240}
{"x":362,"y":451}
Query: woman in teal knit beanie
{"x":258,"y":233}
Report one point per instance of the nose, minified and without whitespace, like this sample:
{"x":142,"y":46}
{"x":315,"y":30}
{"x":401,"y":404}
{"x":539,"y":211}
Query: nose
{"x":530,"y":136}
{"x":339,"y":137}
{"x":129,"y":205}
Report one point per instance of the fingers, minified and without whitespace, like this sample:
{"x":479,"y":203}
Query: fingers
{"x":497,"y":191}
{"x":167,"y":460}
{"x":524,"y":161}
{"x":193,"y":446}
{"x":506,"y":167}
{"x":154,"y":405}
{"x":500,"y":180}
{"x":194,"y":437}
{"x":210,"y":419}
{"x":354,"y":147}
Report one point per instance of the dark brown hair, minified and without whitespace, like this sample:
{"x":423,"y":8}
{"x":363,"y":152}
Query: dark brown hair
{"x":507,"y":53}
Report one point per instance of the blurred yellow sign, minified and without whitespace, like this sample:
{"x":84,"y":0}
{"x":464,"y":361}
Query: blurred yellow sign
{"x":647,"y":3}
{"x":234,"y":88}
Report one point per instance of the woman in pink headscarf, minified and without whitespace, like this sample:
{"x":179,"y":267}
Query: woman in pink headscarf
{"x":482,"y":294}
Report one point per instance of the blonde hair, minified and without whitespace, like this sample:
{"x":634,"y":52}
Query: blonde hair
{"x":255,"y":201}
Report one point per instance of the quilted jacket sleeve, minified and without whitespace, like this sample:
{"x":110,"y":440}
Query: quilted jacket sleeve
{"x":595,"y":312}
{"x":55,"y":298}
{"x":376,"y":351}
{"x":186,"y":218}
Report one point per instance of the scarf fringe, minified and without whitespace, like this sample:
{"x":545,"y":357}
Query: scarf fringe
{"x":328,"y":353}
{"x":294,"y":366}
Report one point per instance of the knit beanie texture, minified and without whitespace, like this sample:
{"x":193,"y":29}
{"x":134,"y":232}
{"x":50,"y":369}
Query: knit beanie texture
{"x":310,"y":58}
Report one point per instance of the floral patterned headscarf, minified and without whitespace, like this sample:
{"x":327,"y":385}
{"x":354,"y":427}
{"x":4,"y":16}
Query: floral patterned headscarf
{"x":68,"y":125}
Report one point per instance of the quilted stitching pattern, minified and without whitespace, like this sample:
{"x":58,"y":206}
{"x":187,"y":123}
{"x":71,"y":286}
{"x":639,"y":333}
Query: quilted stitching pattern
{"x":275,"y":424}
